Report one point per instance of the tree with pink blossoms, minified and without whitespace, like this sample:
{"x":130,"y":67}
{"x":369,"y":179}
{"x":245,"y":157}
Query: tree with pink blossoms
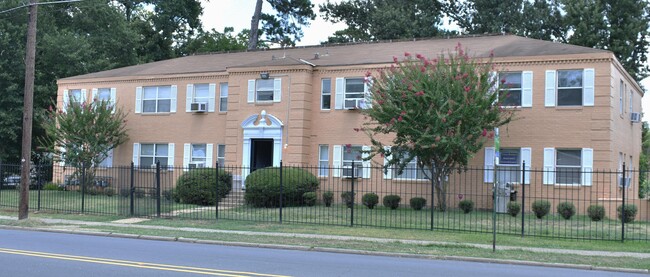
{"x":438,"y":111}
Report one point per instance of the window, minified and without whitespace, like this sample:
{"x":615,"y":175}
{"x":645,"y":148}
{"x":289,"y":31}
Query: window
{"x":412,"y":171}
{"x":354,"y":90}
{"x":221,"y":155}
{"x":620,"y":97}
{"x":223,"y":97}
{"x":198,"y":154}
{"x":568,"y":167}
{"x":264,"y":89}
{"x":326,"y":94}
{"x":157,"y":99}
{"x":201,"y":93}
{"x":103,"y":94}
{"x":508,"y":169}
{"x":511,"y":86}
{"x":352,"y":153}
{"x":108,"y":161}
{"x":76,"y":96}
{"x":630,"y":101}
{"x":152,"y":153}
{"x":569,"y":88}
{"x":323,"y":160}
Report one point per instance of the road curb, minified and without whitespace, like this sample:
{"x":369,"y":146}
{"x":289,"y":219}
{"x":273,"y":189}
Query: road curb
{"x":325,"y":249}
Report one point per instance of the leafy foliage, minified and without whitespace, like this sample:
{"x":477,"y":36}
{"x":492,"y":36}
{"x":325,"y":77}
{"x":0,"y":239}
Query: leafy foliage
{"x":417,"y":203}
{"x":566,"y":210}
{"x":310,"y":198}
{"x":328,"y":198}
{"x":596,"y":212}
{"x":348,"y":198}
{"x":200,"y":186}
{"x":541,"y":208}
{"x":370,"y":200}
{"x":513,"y":208}
{"x":285,"y":26}
{"x":392,"y":201}
{"x":644,"y":162}
{"x":627,"y":214}
{"x":466,"y":205}
{"x":263,"y":186}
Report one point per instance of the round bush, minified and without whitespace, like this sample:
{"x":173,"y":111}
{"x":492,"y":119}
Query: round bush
{"x":168,"y":194}
{"x":348,"y":198}
{"x":310,"y":198}
{"x":566,"y":210}
{"x":392,"y":201}
{"x":328,"y":198}
{"x":541,"y":208}
{"x":417,"y":203}
{"x":370,"y":200}
{"x":199,"y":186}
{"x":52,"y":186}
{"x":629,"y":214}
{"x":467,"y":206}
{"x":513,"y":208}
{"x":596,"y":212}
{"x":109,"y":192}
{"x":125,"y":192}
{"x":263,"y":187}
{"x":139,"y":193}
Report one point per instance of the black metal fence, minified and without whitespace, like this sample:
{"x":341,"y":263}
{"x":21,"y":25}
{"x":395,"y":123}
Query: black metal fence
{"x":598,"y":205}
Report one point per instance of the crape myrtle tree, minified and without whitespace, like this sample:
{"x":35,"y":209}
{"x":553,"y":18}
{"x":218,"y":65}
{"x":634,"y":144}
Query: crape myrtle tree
{"x":438,"y":111}
{"x":82,"y":134}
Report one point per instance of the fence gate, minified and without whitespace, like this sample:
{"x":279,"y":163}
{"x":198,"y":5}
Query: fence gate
{"x":145,"y":191}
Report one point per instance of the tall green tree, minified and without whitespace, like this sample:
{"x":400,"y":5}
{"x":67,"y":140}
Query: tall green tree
{"x":437,"y":111}
{"x":214,"y":41}
{"x":369,"y":20}
{"x":644,"y":162}
{"x":285,"y":26}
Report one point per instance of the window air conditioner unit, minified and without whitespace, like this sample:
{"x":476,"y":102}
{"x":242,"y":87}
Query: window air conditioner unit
{"x":625,"y":182}
{"x":196,"y":165}
{"x":199,"y":107}
{"x":348,"y":171}
{"x":354,"y":104}
{"x":635,"y":117}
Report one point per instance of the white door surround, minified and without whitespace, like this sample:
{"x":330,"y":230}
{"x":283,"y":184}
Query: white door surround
{"x":261,"y":126}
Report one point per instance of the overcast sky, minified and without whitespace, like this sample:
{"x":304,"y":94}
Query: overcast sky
{"x":218,"y":14}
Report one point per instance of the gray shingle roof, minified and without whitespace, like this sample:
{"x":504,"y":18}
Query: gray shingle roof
{"x":350,"y":54}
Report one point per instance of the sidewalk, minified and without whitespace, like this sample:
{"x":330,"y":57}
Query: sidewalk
{"x":73,"y":225}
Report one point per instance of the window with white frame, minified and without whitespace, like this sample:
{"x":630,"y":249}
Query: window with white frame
{"x":569,"y":88}
{"x":352,"y":154}
{"x":104,"y":94}
{"x":76,"y":96}
{"x":323,"y":160}
{"x":201,"y":93}
{"x":630,"y":101}
{"x":264,"y":90}
{"x":412,"y":171}
{"x":150,"y":153}
{"x":221,"y":155}
{"x":621,"y":91}
{"x":511,"y":85}
{"x":354,"y":90}
{"x":326,"y":94}
{"x":568,"y":166}
{"x":223,"y":97}
{"x":108,"y":160}
{"x":508,"y":169}
{"x":157,"y":99}
{"x":198,"y":153}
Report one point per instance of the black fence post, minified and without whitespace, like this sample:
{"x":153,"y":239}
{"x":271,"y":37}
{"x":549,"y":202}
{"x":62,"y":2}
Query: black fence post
{"x":352,"y":195}
{"x":83,"y":187}
{"x":158,"y":188}
{"x":132,"y":190}
{"x":623,"y":214}
{"x":523,"y":197}
{"x":432,"y":197}
{"x":38,"y":185}
{"x":216,"y":208}
{"x":281,"y":191}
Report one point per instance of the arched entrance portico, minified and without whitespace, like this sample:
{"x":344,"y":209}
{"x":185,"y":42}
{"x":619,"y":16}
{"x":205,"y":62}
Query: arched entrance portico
{"x":262,"y":144}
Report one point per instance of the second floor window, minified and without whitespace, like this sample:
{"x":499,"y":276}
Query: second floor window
{"x":201,"y":93}
{"x":223,"y":97}
{"x":264,"y":90}
{"x":510,"y":85}
{"x":326,"y":94}
{"x":157,"y":99}
{"x":569,"y":87}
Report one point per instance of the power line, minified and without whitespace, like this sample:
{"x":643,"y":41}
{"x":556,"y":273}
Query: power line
{"x":38,"y":4}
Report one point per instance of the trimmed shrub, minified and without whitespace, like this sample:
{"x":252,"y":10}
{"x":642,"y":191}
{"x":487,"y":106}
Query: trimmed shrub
{"x":513,"y":208}
{"x":139,"y":193}
{"x":566,"y":210}
{"x":310,"y":198}
{"x":168,"y":194}
{"x":92,"y":191}
{"x":348,"y":198}
{"x":392,"y":201}
{"x":417,"y":203}
{"x":328,"y":198}
{"x":629,"y":214}
{"x":370,"y":200}
{"x":52,"y":186}
{"x":125,"y":192}
{"x":263,"y":187}
{"x":541,"y":208}
{"x":109,"y":192}
{"x":596,"y":212}
{"x":467,"y":206}
{"x":199,"y":186}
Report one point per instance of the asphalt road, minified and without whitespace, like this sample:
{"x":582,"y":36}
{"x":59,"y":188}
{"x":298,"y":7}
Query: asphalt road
{"x":29,"y":253}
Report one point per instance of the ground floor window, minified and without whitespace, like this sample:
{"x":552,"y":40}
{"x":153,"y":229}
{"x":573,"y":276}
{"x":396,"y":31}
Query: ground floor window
{"x":568,"y":166}
{"x":150,"y":153}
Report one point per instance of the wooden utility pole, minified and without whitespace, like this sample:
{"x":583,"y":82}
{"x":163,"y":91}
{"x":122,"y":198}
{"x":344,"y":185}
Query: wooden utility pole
{"x":28,"y":112}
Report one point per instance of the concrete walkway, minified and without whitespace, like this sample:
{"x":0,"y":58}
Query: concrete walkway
{"x":72,"y":225}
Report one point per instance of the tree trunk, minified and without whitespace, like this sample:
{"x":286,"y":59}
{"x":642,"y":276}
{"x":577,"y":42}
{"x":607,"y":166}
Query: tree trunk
{"x":440,"y":189}
{"x":255,"y":22}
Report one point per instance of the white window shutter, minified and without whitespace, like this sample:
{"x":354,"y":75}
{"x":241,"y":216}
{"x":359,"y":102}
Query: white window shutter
{"x":588,"y":87}
{"x":488,"y":171}
{"x":587,"y":165}
{"x":84,"y":96}
{"x":337,"y":153}
{"x":212,"y":90}
{"x":93,"y":94}
{"x":189,"y":95}
{"x":66,"y":99}
{"x":170,"y":158}
{"x":340,"y":93}
{"x":187,"y":154}
{"x":138,"y":100}
{"x":388,"y":172}
{"x":493,"y":78}
{"x":367,"y":165}
{"x":114,"y":98}
{"x":527,"y":89}
{"x":549,"y":92}
{"x":526,"y":157}
{"x":136,"y":154}
{"x":277,"y":89}
{"x":209,"y":148}
{"x":62,"y":156}
{"x":549,"y":166}
{"x":367,"y":85}
{"x":172,"y":108}
{"x":251,"y":91}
